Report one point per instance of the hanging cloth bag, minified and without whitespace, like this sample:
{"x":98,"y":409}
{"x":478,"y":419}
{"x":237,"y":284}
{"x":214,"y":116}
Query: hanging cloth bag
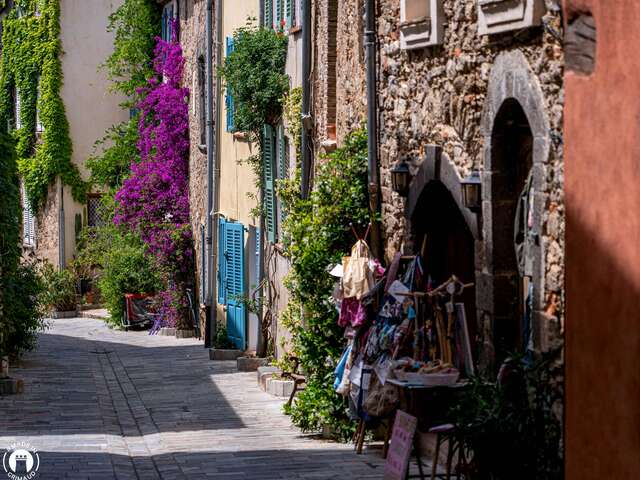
{"x":357,"y":279}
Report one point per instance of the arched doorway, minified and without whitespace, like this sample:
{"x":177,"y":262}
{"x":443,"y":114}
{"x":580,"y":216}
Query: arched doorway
{"x":516,"y":138}
{"x":511,"y":160}
{"x":442,"y":236}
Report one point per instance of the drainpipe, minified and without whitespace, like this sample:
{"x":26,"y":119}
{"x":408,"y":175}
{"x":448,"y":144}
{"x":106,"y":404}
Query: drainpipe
{"x":214,"y":212}
{"x":372,"y":127}
{"x":306,"y":98}
{"x":210,"y":323}
{"x":61,"y":237}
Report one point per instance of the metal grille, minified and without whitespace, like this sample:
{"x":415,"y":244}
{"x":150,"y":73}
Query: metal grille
{"x":96,"y":214}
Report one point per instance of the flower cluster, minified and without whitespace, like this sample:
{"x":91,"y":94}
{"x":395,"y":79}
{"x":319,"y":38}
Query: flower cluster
{"x":154,"y":200}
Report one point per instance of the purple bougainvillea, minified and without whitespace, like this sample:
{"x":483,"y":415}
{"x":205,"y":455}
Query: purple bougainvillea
{"x":154,"y":200}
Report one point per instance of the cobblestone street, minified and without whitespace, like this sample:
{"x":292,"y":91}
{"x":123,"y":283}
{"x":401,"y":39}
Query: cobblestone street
{"x":104,"y":404}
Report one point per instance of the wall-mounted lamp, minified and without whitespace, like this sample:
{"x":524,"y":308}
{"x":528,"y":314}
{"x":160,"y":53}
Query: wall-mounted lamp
{"x":472,"y":192}
{"x":401,"y":178}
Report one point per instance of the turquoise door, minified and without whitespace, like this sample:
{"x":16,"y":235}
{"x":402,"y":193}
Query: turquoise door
{"x":231,"y":270}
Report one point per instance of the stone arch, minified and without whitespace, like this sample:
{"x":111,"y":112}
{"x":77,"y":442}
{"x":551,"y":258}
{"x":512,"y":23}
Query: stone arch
{"x":438,"y":167}
{"x":515,"y":129}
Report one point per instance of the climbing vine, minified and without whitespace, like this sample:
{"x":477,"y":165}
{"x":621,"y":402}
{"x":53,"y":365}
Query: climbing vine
{"x":292,"y":113}
{"x":30,"y":69}
{"x":316,"y":236}
{"x":254,"y":74}
{"x":20,"y":311}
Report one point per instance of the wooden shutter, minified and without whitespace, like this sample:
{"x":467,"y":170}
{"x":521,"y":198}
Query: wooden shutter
{"x":283,"y":168}
{"x":279,"y":14}
{"x":234,"y":254}
{"x":163,"y":25}
{"x":268,"y":154}
{"x":222,"y":264}
{"x":258,"y":234}
{"x":39,"y":126}
{"x":236,"y":308}
{"x":268,"y":13}
{"x":18,"y":111}
{"x":291,"y":8}
{"x":229,"y":97}
{"x":28,"y":221}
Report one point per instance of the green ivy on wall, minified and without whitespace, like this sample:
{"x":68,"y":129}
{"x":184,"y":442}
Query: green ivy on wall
{"x":30,"y":66}
{"x":316,"y":235}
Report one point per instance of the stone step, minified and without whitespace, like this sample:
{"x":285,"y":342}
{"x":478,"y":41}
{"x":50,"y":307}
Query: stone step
{"x":264,"y":373}
{"x":279,"y":387}
{"x":251,"y":364}
{"x":223,"y":354}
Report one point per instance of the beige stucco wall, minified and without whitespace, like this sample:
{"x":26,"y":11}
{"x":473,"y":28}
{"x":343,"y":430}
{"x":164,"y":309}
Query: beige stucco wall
{"x":90,"y":107}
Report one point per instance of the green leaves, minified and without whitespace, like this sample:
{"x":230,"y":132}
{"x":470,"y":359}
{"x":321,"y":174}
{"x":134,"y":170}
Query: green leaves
{"x":254,"y":74}
{"x":59,"y":292}
{"x":126,"y":268}
{"x":136,"y":24}
{"x":30,"y":67}
{"x":316,"y":235}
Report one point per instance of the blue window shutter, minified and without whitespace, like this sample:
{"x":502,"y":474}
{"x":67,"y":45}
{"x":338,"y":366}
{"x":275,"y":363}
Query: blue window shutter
{"x":283,"y":167}
{"x":290,"y":13}
{"x":279,"y":14}
{"x":229,"y":97}
{"x":234,"y":253}
{"x":283,"y":172}
{"x":163,"y":26}
{"x":222,"y":263}
{"x":258,"y":252}
{"x":236,"y":307}
{"x":268,"y":13}
{"x":268,"y":154}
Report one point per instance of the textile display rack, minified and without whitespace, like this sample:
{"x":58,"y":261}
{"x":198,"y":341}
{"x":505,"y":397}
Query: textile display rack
{"x":404,"y":335}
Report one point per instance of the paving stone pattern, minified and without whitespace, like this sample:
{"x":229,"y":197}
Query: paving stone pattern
{"x":102,"y":404}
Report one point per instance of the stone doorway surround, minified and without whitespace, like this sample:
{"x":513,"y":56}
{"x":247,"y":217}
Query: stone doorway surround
{"x":511,"y":79}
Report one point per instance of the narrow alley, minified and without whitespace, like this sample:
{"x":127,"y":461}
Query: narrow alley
{"x":104,"y":404}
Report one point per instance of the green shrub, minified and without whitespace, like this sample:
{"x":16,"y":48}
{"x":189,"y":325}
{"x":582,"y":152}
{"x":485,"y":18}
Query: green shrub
{"x":221,"y":340}
{"x":511,"y":428}
{"x":59,"y":293}
{"x":24,"y":314}
{"x":126,"y":269}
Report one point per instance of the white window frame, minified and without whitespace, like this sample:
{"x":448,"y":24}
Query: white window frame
{"x":39,"y":125}
{"x":497,"y":16}
{"x":28,"y":220}
{"x":425,"y":31}
{"x":17,"y":109}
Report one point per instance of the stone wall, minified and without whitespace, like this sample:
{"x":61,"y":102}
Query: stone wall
{"x":339,"y":89}
{"x":192,"y":38}
{"x":47,"y":221}
{"x":440,"y":96}
{"x":351,"y":73}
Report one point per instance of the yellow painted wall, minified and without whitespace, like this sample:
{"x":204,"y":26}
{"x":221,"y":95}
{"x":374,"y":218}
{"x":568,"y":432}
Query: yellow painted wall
{"x":236,"y":179}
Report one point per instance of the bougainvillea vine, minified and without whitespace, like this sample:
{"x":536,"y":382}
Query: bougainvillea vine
{"x":154,"y":200}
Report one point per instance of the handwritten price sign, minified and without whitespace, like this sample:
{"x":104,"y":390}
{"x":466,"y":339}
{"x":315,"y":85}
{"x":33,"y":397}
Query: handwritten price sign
{"x":404,"y":428}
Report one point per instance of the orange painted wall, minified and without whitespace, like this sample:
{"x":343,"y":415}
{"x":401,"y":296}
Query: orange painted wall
{"x":602,"y":182}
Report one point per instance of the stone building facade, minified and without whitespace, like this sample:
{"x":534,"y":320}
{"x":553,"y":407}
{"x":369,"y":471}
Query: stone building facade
{"x":191,"y":14}
{"x":491,"y":104}
{"x":338,"y":85}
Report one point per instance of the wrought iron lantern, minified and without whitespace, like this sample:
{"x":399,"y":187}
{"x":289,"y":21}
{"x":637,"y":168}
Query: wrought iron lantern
{"x":472,"y":192}
{"x":401,"y":178}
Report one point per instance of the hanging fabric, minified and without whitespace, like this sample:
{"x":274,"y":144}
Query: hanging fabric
{"x":357,"y":279}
